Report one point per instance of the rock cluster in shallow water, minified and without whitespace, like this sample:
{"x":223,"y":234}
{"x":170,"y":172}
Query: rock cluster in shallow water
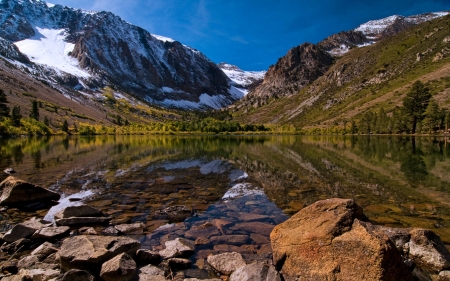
{"x":328,"y":240}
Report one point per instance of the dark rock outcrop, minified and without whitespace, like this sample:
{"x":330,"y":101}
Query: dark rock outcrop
{"x":78,"y":211}
{"x":17,"y":192}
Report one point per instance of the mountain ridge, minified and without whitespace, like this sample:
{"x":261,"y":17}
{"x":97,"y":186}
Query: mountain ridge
{"x":299,"y":68}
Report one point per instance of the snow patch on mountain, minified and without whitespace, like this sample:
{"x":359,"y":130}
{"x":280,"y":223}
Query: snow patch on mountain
{"x":162,"y":38}
{"x":238,"y":93}
{"x":48,"y":47}
{"x":206,"y":101}
{"x":375,"y":27}
{"x":239,"y":76}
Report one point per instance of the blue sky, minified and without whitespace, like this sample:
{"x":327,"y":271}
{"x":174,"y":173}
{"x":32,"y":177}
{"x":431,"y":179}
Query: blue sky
{"x":253,"y":34}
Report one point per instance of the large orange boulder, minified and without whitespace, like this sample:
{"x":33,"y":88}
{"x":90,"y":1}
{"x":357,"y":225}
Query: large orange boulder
{"x":332,"y":240}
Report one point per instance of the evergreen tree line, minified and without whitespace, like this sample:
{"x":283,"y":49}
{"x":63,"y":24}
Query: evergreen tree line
{"x":16,"y":115}
{"x":420,"y":113}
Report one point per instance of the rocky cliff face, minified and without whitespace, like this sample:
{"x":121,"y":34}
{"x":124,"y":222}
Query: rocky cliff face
{"x":101,"y":47}
{"x":301,"y":66}
{"x":9,"y":50}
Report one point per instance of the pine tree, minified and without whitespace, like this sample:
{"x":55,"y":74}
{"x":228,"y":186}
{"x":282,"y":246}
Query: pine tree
{"x":416,"y":102}
{"x":382,"y":122}
{"x":353,"y":127}
{"x":366,"y":122}
{"x":447,"y":121}
{"x":65,"y":126}
{"x":432,"y":116}
{"x":118,"y":120}
{"x":34,"y":110}
{"x":46,"y":121}
{"x":4,"y":110}
{"x":16,"y":116}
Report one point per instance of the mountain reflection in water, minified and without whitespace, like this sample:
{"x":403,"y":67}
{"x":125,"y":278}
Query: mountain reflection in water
{"x":236,"y":185}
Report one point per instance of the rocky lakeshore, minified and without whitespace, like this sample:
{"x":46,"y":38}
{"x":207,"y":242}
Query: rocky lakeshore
{"x":328,"y":240}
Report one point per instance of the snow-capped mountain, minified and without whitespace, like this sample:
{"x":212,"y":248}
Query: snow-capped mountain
{"x":375,"y":29}
{"x":95,"y":49}
{"x":241,"y":80}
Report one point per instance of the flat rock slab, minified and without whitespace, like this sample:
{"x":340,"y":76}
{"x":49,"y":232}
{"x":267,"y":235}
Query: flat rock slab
{"x":88,"y":252}
{"x":82,"y":221}
{"x":78,"y":211}
{"x":23,"y":230}
{"x":133,"y":228}
{"x":48,"y":233}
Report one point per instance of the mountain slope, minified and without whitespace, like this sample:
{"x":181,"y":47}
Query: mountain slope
{"x":307,"y":62}
{"x":366,"y":79}
{"x":97,"y":49}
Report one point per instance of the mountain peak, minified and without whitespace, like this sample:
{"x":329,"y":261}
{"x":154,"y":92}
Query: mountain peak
{"x":99,"y":49}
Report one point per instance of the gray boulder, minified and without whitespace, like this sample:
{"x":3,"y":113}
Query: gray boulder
{"x":120,"y":268}
{"x":226,"y":263}
{"x":151,"y":273}
{"x":133,"y":228}
{"x":428,"y":251}
{"x":257,"y":271}
{"x":178,"y":248}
